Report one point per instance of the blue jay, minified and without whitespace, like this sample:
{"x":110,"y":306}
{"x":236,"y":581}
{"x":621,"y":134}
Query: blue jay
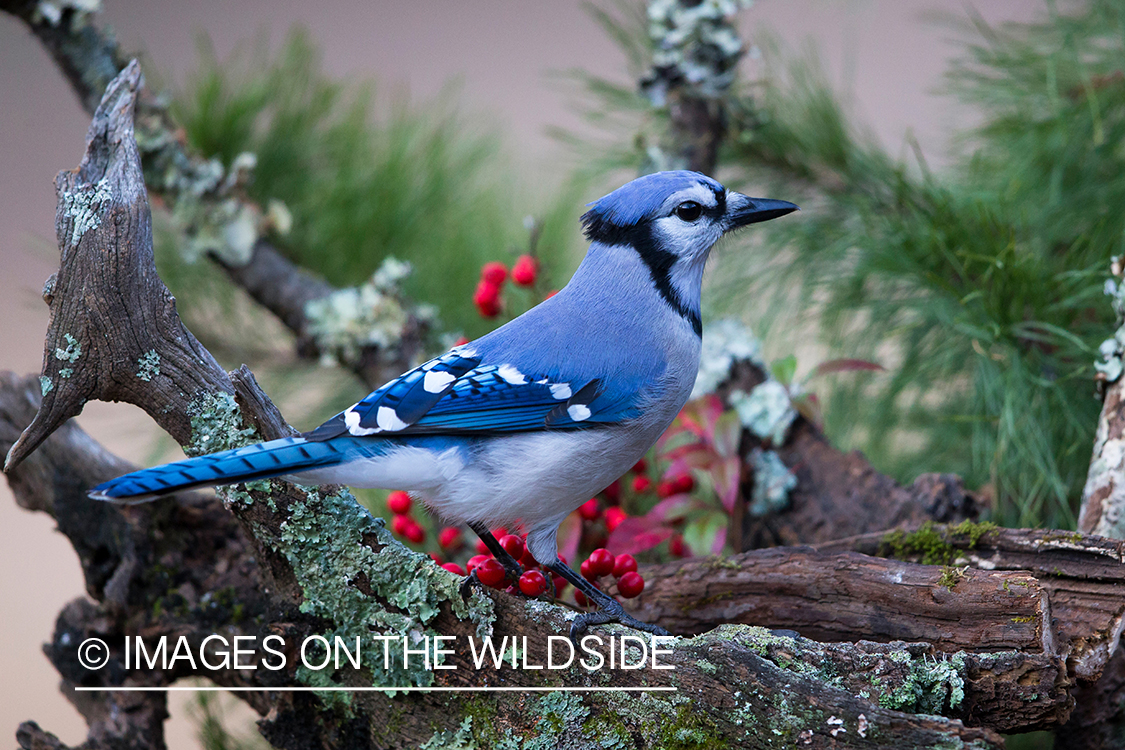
{"x":528,"y":422}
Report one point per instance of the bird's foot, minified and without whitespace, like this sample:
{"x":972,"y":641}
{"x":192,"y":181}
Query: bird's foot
{"x":610,"y":611}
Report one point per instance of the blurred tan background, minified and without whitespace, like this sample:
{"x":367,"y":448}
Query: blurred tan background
{"x":887,"y":54}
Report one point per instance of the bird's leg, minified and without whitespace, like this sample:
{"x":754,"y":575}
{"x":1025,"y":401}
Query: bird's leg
{"x":511,"y":565}
{"x":609,"y":609}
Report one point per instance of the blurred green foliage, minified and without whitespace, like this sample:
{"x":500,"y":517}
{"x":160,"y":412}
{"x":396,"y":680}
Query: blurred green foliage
{"x":367,"y":177}
{"x":980,"y":289}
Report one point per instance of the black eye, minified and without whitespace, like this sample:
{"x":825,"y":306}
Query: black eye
{"x":688,"y":211}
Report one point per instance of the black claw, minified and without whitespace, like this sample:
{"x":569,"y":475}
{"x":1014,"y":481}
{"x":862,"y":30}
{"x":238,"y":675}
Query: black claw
{"x":610,"y":613}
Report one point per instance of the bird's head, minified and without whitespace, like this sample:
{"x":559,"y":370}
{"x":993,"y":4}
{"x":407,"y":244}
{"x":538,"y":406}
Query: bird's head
{"x":672,"y":220}
{"x":681,"y":213}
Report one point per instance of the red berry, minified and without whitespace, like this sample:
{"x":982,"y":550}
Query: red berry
{"x":500,"y":532}
{"x":551,"y":293}
{"x":527,"y":560}
{"x":641,"y":483}
{"x":589,"y":510}
{"x":665,"y":489}
{"x":414,"y":532}
{"x":613,"y":517}
{"x":640,"y":467}
{"x":676,"y":546}
{"x":613,"y":492}
{"x":533,"y":583}
{"x":601,"y":562}
{"x":631,"y":584}
{"x":482,"y":548}
{"x":491,"y":573}
{"x":513,"y":545}
{"x":494,"y":272}
{"x":623,"y":564}
{"x":449,"y":537}
{"x":454,"y":568}
{"x":560,"y":583}
{"x":580,"y":599}
{"x":436,"y":558}
{"x":474,"y":561}
{"x":587,"y":571}
{"x":460,"y":340}
{"x":686,"y":483}
{"x":487,"y":299}
{"x":399,"y":525}
{"x":398,"y":502}
{"x":525,"y":270}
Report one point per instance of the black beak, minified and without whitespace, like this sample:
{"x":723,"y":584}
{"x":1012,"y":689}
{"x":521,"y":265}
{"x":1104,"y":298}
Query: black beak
{"x":743,"y":211}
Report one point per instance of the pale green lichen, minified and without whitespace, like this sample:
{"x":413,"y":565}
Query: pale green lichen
{"x":52,"y":11}
{"x":461,"y":739}
{"x":772,"y":482}
{"x":372,"y":314}
{"x":45,"y":384}
{"x":929,"y":685}
{"x":695,"y":46}
{"x":72,"y":351}
{"x":148,"y":365}
{"x":325,"y":539}
{"x":216,"y":425}
{"x":83,"y":205}
{"x":1112,"y":350}
{"x":724,"y":343}
{"x":767,"y":411}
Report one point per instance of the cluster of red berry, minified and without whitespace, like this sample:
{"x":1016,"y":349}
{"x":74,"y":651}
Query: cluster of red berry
{"x":607,"y":506}
{"x":404,"y":525}
{"x":623,"y":568}
{"x":492,"y":277}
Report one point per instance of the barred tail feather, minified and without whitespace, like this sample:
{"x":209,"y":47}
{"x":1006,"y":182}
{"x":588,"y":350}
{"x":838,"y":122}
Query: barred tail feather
{"x":261,"y":461}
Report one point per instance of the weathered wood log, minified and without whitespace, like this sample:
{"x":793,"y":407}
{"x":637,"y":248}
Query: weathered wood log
{"x":849,"y":596}
{"x":1083,"y":575}
{"x":322,"y":566}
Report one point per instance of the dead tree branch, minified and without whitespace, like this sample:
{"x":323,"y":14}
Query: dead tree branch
{"x":90,"y":59}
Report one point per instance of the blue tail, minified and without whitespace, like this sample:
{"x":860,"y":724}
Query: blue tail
{"x":261,"y":461}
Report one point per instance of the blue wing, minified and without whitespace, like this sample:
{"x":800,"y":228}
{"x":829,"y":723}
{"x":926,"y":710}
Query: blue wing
{"x":455,"y":395}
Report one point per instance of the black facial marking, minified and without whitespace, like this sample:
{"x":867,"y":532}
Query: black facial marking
{"x":639,"y":236}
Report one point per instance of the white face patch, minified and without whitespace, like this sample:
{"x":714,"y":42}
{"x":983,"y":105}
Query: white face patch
{"x":351,"y":419}
{"x":578,"y":412}
{"x":435,"y":382}
{"x":560,"y":390}
{"x":388,"y":420}
{"x":511,"y":375}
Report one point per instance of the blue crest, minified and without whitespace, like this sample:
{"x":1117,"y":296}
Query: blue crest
{"x":637,"y":200}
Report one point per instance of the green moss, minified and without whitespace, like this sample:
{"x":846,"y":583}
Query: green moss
{"x":930,"y":542}
{"x":973,"y":530}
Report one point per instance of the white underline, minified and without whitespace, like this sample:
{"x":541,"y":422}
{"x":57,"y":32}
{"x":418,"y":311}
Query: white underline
{"x":439,"y":689}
